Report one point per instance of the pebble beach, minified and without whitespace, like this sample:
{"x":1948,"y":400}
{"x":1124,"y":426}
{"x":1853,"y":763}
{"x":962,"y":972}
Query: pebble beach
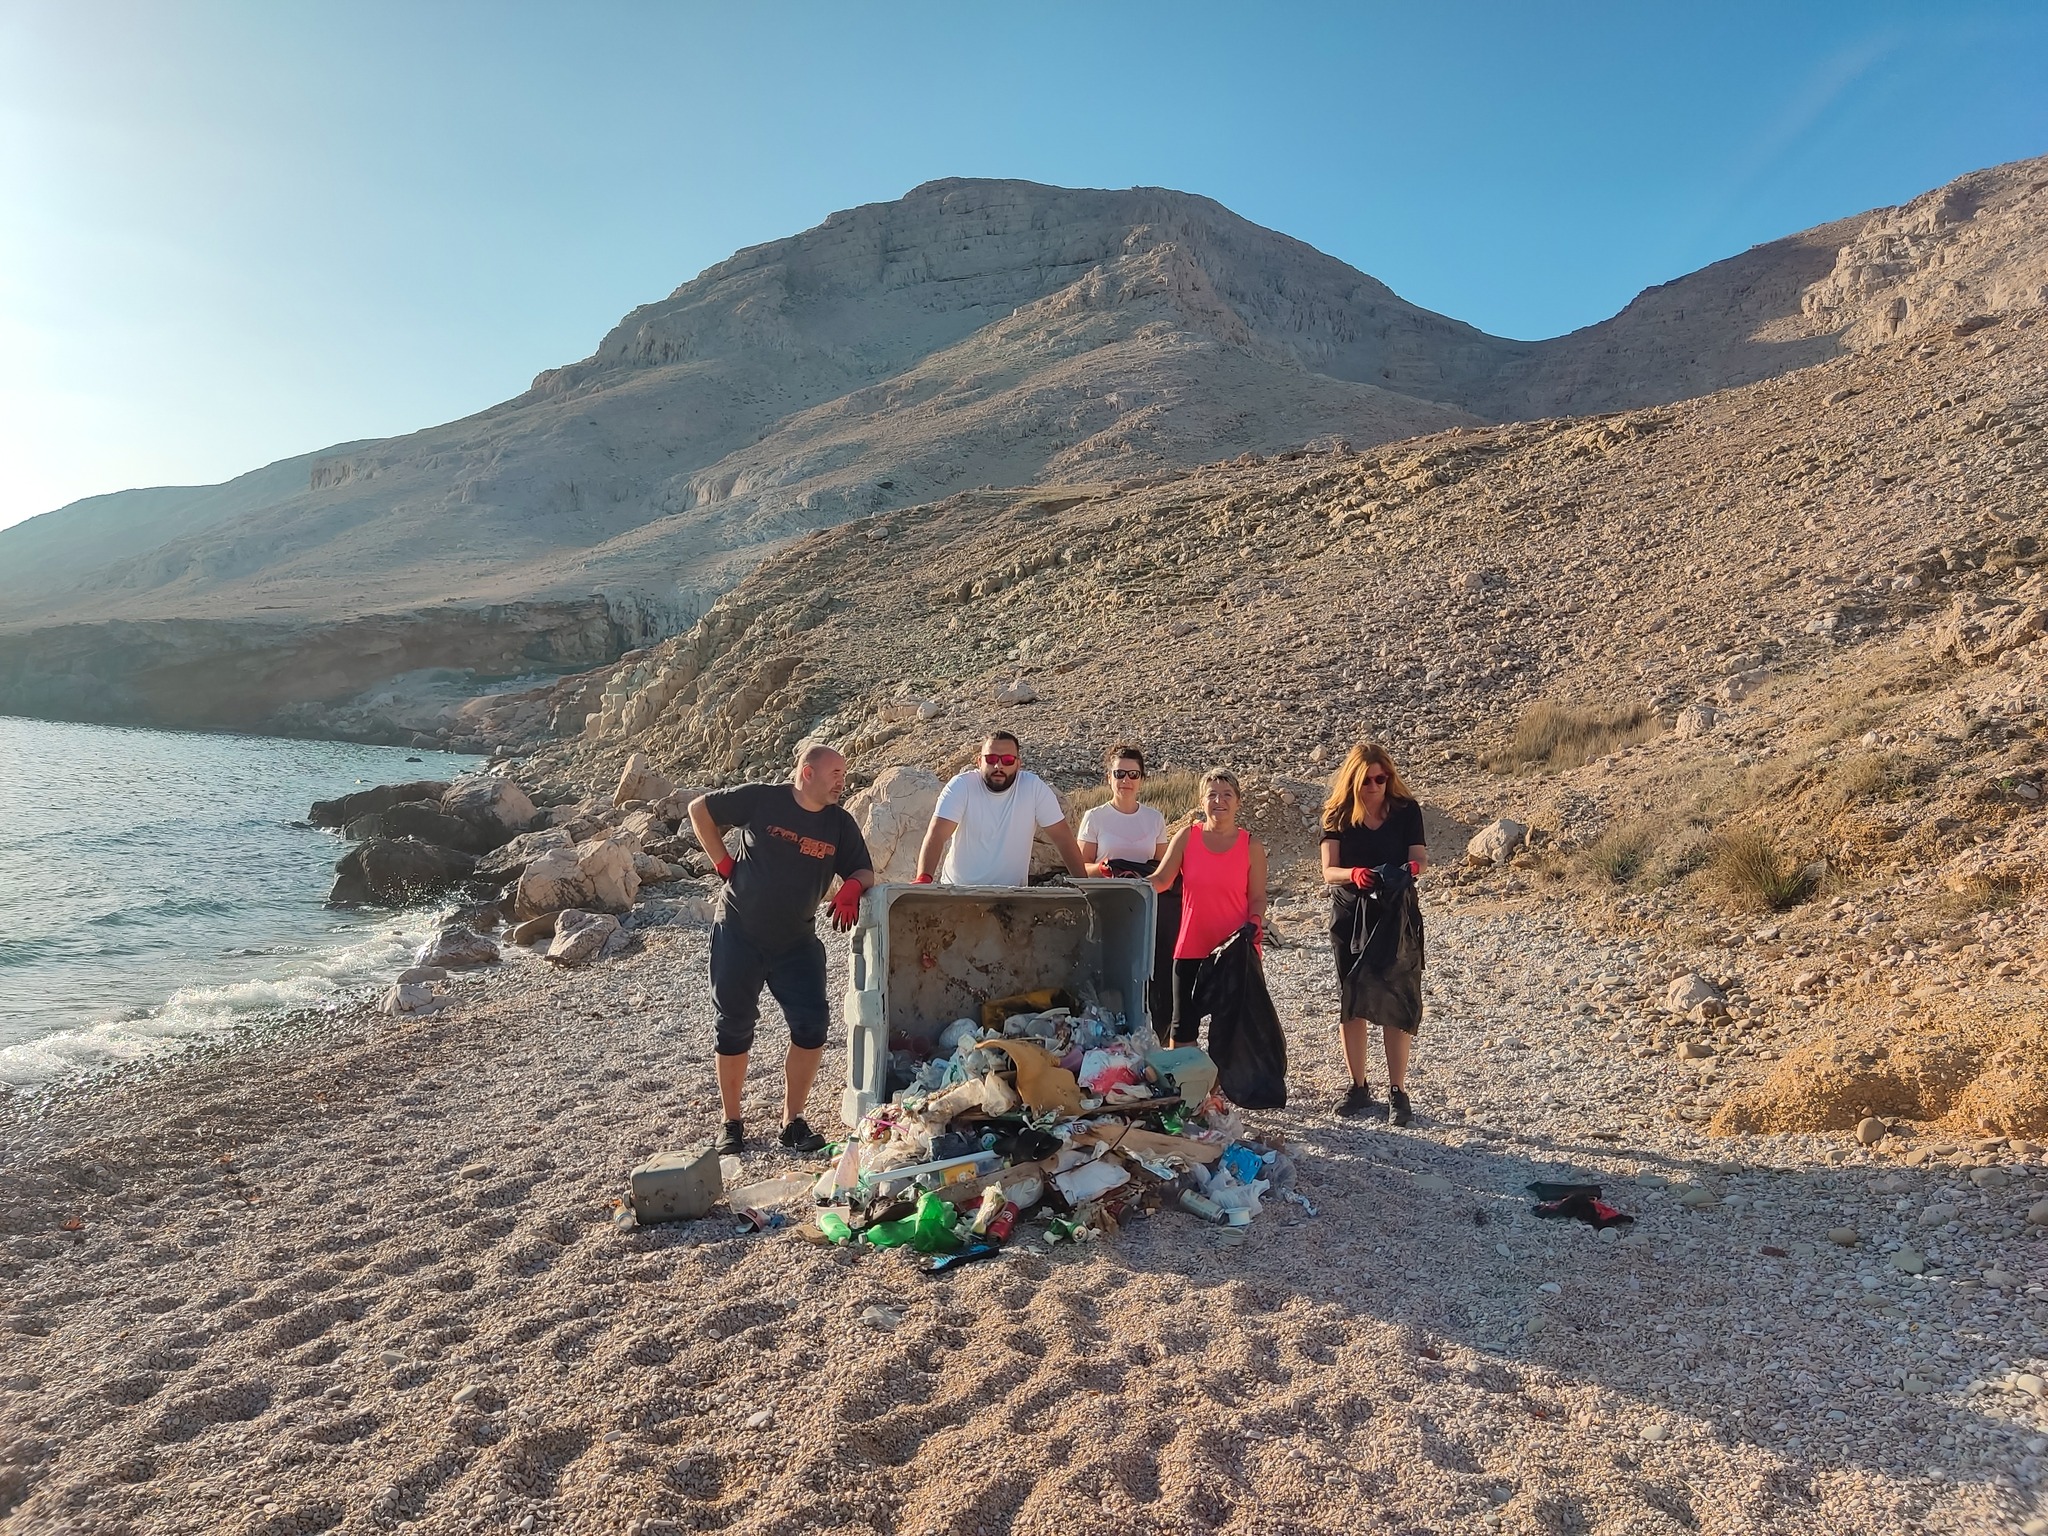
{"x":373,"y":1275}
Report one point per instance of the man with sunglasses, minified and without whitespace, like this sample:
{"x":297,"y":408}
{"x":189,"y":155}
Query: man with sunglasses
{"x":985,"y":821}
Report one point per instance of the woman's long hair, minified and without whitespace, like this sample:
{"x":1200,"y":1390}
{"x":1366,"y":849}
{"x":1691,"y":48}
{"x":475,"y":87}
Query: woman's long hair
{"x":1346,"y":806}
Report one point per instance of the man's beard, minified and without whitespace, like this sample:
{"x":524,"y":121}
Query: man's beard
{"x":994,"y":787}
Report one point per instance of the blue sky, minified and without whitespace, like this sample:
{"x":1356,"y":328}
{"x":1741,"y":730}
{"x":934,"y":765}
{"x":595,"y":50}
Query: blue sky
{"x":231,"y":232}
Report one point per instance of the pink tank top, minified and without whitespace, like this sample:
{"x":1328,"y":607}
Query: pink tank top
{"x":1215,"y":896}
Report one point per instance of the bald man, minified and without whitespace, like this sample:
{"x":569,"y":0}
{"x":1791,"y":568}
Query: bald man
{"x":795,"y":838}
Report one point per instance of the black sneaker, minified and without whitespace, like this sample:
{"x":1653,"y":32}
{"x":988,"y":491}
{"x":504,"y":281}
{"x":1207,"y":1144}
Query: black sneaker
{"x":732,"y":1140}
{"x":1403,"y":1111}
{"x":797,"y":1136}
{"x":1357,"y":1101}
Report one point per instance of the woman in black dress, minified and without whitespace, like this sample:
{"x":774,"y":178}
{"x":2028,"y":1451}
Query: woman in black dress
{"x":1373,"y":852}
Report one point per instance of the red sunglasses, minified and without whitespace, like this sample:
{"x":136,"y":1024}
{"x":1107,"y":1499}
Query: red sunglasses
{"x":1000,"y":759}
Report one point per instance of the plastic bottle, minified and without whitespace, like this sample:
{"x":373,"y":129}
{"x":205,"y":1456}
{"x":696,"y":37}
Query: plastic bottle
{"x":834,"y":1226}
{"x":933,"y":1225}
{"x":769,"y":1193}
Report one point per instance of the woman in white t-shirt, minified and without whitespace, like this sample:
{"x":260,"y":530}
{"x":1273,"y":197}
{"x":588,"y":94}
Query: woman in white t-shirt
{"x":1125,"y":839}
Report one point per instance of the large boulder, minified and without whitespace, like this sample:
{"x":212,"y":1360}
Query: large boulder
{"x":1497,"y":842}
{"x":640,"y":780}
{"x":390,"y":872}
{"x":343,"y":809}
{"x":489,"y":799}
{"x":424,"y":820}
{"x":893,"y":813}
{"x":510,"y":861}
{"x":457,"y":948}
{"x":580,"y":937}
{"x":594,"y":876}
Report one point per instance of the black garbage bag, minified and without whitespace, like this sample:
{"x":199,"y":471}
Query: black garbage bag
{"x":1245,"y":1040}
{"x":1380,"y":951}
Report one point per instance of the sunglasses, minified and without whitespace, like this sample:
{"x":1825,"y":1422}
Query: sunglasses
{"x":1000,"y":759}
{"x":1127,"y":773}
{"x":1374,"y":778}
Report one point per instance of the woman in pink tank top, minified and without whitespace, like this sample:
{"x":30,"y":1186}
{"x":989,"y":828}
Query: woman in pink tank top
{"x":1222,"y":870}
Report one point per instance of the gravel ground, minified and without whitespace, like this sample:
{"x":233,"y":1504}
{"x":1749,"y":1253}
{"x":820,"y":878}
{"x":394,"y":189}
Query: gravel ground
{"x":372,"y":1280}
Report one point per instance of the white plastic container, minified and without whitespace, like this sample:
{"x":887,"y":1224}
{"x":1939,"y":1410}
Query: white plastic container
{"x":925,"y":955}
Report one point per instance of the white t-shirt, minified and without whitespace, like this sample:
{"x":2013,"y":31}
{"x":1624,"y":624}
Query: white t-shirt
{"x":1134,"y":835}
{"x":992,"y":842}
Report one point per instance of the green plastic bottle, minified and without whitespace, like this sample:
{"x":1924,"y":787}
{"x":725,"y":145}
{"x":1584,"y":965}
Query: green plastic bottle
{"x":935,"y":1220}
{"x":890,"y":1234}
{"x":834,"y":1226}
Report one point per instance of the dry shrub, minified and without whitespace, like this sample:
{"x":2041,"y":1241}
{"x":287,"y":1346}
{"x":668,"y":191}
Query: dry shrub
{"x":1551,"y":735}
{"x":1980,"y":893}
{"x":1754,"y":872}
{"x":1173,"y":793}
{"x":1870,"y":776}
{"x":1622,"y":853}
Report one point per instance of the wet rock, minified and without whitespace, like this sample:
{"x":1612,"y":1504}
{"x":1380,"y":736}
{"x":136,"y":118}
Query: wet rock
{"x":390,"y":872}
{"x":343,"y":809}
{"x":580,"y":936}
{"x":458,"y":948}
{"x":425,"y":821}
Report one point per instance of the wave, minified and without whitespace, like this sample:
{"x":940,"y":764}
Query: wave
{"x":324,"y":980}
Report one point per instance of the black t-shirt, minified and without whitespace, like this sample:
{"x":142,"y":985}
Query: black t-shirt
{"x":1368,"y":848}
{"x":786,"y":861}
{"x":1388,"y":843}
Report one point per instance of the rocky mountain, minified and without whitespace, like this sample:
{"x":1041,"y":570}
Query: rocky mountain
{"x":1765,"y":671}
{"x":970,"y":334}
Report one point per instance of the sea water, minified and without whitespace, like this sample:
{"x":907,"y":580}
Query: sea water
{"x":160,"y":886}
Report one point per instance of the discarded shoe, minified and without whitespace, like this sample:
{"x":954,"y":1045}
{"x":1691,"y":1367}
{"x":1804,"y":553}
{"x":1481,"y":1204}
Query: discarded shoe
{"x":798,"y":1137}
{"x":732,"y":1140}
{"x":1403,"y":1111}
{"x":1357,"y":1101}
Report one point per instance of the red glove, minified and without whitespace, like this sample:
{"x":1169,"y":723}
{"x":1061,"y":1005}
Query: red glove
{"x":724,"y":867}
{"x":922,"y":880}
{"x":1101,"y":869}
{"x":1415,"y":868}
{"x":846,"y":905}
{"x":1363,"y":878}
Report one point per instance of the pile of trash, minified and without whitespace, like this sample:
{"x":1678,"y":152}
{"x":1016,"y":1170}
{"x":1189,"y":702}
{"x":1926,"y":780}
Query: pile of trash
{"x":1037,"y":1117}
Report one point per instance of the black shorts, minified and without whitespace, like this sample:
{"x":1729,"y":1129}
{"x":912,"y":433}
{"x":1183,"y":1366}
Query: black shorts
{"x":795,"y":979}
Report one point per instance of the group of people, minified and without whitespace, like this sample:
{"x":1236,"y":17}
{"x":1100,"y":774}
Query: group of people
{"x":796,"y":839}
